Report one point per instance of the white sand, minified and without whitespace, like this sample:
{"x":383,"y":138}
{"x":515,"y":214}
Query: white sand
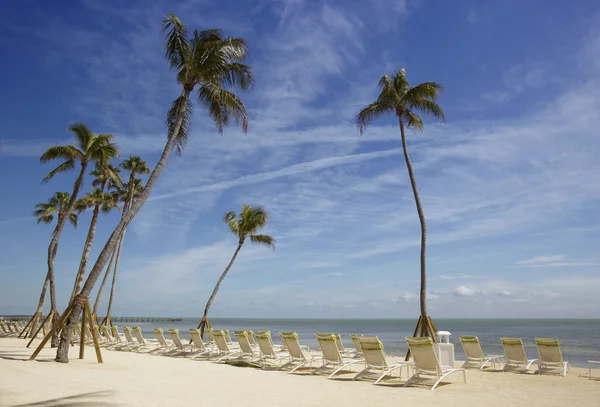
{"x":131,"y":379}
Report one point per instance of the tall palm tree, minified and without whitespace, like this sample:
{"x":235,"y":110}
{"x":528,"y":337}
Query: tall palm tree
{"x":89,"y":148}
{"x":245,"y":226}
{"x":209,"y":62}
{"x":119,"y":195}
{"x":99,"y":200}
{"x":45,"y":212}
{"x":399,"y":98}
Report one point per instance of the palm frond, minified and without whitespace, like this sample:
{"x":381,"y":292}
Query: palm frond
{"x":389,"y":93}
{"x":73,"y":218}
{"x":83,"y":134}
{"x":424,"y":90}
{"x":102,"y":150}
{"x":372,"y":112}
{"x":430,"y":108}
{"x":68,"y":152}
{"x":265,"y":240}
{"x":238,"y":75}
{"x":413,"y":121}
{"x":177,"y":47}
{"x":221,"y":105}
{"x":234,"y":225}
{"x":66,"y":166}
{"x":184,"y":130}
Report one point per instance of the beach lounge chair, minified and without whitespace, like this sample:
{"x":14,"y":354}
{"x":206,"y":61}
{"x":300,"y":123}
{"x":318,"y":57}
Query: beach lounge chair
{"x":267,"y":349}
{"x":246,"y":349}
{"x":6,"y":329}
{"x":356,"y":344}
{"x":550,"y":356}
{"x":201,"y":349}
{"x":210,"y":336}
{"x":474,"y":354}
{"x":332,"y":356}
{"x":426,"y":363}
{"x":117,"y":338}
{"x":143,"y":343}
{"x":375,"y":361}
{"x":177,"y":341}
{"x":162,"y":342}
{"x":222,"y":346}
{"x":298,"y":358}
{"x":516,"y":358}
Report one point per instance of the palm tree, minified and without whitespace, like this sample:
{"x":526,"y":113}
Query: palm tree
{"x":245,"y":226}
{"x":209,"y":62}
{"x":119,"y":195}
{"x":45,"y":213}
{"x":99,"y":200}
{"x":89,"y":148}
{"x":399,"y":98}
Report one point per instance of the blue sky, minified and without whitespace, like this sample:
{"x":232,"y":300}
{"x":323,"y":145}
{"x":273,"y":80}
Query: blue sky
{"x":509,"y":184}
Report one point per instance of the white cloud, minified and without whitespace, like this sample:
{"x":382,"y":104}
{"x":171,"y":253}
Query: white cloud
{"x":559,"y":260}
{"x":463,"y":291}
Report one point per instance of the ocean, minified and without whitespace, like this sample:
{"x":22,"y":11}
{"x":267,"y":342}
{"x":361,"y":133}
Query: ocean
{"x":579,"y":338}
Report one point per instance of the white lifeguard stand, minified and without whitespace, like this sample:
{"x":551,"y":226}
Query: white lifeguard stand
{"x":444,"y":349}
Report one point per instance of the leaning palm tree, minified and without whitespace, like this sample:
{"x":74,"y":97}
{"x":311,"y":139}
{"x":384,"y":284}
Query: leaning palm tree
{"x":45,"y":212}
{"x":98,"y":200}
{"x":89,"y":148}
{"x":399,"y":98}
{"x":245,"y":226}
{"x":209,"y":62}
{"x":120,"y":195}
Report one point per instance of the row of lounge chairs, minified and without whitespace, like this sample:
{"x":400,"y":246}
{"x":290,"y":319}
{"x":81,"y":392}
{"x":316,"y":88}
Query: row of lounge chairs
{"x":11,"y":328}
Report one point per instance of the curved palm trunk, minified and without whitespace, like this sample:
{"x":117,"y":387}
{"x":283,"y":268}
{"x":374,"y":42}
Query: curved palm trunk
{"x":413,"y":183}
{"x":214,"y":293}
{"x":114,"y":279}
{"x":53,"y":247}
{"x":86,"y":252}
{"x":104,"y":280}
{"x":62,"y":354}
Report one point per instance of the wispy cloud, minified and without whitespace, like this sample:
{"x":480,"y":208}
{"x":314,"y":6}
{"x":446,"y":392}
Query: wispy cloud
{"x":559,"y":260}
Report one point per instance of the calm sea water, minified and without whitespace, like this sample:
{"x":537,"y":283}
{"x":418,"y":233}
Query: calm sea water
{"x":579,"y":338}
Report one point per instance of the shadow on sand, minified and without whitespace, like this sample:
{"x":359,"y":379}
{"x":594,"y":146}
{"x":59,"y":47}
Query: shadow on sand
{"x":78,"y":400}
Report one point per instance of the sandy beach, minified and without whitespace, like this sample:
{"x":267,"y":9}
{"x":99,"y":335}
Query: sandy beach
{"x":133,"y":379}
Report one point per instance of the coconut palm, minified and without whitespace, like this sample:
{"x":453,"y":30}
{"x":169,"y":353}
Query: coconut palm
{"x":119,"y":195}
{"x":89,"y":148}
{"x":245,"y":226}
{"x":45,"y":212}
{"x":405,"y":101}
{"x":206,"y":61}
{"x":98,"y":200}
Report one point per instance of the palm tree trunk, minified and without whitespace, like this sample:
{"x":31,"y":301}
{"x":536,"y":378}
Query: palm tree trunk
{"x":104,"y":280}
{"x":53,"y":247}
{"x":86,"y":252}
{"x":114,"y":279}
{"x":62,"y":354}
{"x":413,"y":183}
{"x":214,"y":293}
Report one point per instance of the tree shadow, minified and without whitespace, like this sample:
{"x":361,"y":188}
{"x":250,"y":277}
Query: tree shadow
{"x":78,"y":400}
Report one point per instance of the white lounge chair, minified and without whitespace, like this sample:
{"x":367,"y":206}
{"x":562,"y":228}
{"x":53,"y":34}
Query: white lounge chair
{"x":223,"y":347}
{"x":163,"y":345}
{"x":375,"y":361}
{"x":177,"y":343}
{"x":131,"y":344}
{"x":246,"y":349}
{"x":298,"y":358}
{"x":516,"y":358}
{"x":551,"y":356}
{"x":474,"y":354}
{"x":267,"y":349}
{"x":331,"y":355}
{"x":356,"y":344}
{"x":143,"y":343}
{"x":426,"y":363}
{"x":201,"y":349}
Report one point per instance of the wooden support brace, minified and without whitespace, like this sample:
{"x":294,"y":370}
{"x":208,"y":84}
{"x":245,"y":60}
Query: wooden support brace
{"x":55,"y":327}
{"x":88,"y":309}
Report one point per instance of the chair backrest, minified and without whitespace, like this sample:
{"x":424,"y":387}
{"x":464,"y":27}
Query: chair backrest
{"x":549,"y":350}
{"x":115,"y":333}
{"x":106,"y":333}
{"x":221,"y":341}
{"x":159,"y":332}
{"x":356,"y":342}
{"x":265,"y":344}
{"x":175,"y":337}
{"x":197,"y":339}
{"x":329,"y":347}
{"x":227,"y":337}
{"x":372,"y":350}
{"x":290,"y":339}
{"x":472,"y":347}
{"x":209,"y":334}
{"x":138,"y":335}
{"x":242,"y":338}
{"x":513,"y":348}
{"x":127,"y":332}
{"x":423,"y":354}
